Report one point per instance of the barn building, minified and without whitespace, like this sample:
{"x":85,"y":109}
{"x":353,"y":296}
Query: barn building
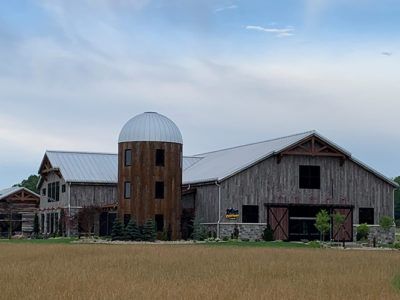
{"x":282,"y":182}
{"x":18,"y":207}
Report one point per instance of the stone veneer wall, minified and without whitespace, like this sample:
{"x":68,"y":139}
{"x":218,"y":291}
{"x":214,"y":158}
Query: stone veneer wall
{"x":251,"y":231}
{"x":382,"y":236}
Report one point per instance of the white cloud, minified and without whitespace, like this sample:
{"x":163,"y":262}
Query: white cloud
{"x":220,"y":9}
{"x":279,"y":32}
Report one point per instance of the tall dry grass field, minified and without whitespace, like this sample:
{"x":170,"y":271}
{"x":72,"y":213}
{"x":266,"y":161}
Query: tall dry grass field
{"x":193,"y":272}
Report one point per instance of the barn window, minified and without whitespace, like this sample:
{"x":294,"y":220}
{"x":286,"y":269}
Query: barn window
{"x":53,"y":190}
{"x":44,"y":192}
{"x":366,"y":215}
{"x":128,"y":157}
{"x":309,"y":177}
{"x":159,"y":190}
{"x":250,"y":213}
{"x":159,"y":223}
{"x":127,"y":189}
{"x":160,"y":157}
{"x":63,"y":188}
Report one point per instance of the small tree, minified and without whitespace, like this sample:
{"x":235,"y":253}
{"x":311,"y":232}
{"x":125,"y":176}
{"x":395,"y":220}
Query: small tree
{"x":117,"y":231}
{"x":87,"y":216}
{"x":362,"y":232}
{"x":36,"y":227}
{"x":132,"y":231}
{"x":322,"y":223}
{"x":149,"y":230}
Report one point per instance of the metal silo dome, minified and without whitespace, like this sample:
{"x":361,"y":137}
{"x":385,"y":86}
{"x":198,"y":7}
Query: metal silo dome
{"x":150,"y":126}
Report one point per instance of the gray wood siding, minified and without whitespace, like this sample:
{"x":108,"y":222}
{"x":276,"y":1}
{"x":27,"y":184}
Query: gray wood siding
{"x":93,"y":195}
{"x":270,"y":182}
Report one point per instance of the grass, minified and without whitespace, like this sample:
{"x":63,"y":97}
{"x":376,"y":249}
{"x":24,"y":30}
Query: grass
{"x":57,"y":271}
{"x":61,"y":240}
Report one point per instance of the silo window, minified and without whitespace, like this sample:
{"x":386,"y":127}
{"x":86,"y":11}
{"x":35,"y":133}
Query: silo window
{"x":127,"y":189}
{"x":159,"y":223}
{"x":159,"y":190}
{"x":128,"y":157}
{"x":160,"y":157}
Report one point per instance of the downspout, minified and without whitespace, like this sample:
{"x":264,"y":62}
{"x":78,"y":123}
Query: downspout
{"x":219,"y":208}
{"x":69,"y":209}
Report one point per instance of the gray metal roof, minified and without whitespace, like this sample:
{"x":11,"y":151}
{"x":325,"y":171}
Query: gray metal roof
{"x":85,"y":166}
{"x":9,"y":191}
{"x":150,"y":126}
{"x":218,"y":165}
{"x":200,"y":168}
{"x":221,"y":164}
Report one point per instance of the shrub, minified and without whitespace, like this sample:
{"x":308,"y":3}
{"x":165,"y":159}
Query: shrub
{"x":362,"y":232}
{"x":225,"y":238}
{"x":268,"y":234}
{"x":396,"y":245}
{"x":386,"y":223}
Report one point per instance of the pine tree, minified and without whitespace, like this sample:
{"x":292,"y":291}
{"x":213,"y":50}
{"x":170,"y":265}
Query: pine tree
{"x":117,"y":232}
{"x":36,"y":228}
{"x":132,"y":231}
{"x":149,"y":230}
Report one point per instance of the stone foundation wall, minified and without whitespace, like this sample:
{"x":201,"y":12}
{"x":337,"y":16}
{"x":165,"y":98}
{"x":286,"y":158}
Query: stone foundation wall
{"x":250,"y":231}
{"x":381,"y":236}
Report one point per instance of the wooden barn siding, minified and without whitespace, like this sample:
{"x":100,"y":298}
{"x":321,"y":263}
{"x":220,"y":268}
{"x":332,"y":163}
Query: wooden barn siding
{"x":207,"y":203}
{"x":27,"y":208}
{"x":269,"y":182}
{"x":93,"y":195}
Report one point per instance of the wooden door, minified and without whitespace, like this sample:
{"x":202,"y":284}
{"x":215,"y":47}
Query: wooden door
{"x":345,"y":231}
{"x":278,"y":219}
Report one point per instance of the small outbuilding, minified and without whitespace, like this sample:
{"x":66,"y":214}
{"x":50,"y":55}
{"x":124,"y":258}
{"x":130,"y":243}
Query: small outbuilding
{"x":18,"y":207}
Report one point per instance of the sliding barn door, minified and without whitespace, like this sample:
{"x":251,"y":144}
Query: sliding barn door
{"x":345,"y":232}
{"x":278,"y":219}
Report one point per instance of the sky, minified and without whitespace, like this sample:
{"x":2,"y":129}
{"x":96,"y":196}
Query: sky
{"x":226,"y":72}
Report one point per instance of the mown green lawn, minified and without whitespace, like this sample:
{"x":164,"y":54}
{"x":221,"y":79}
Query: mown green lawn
{"x":62,"y":240}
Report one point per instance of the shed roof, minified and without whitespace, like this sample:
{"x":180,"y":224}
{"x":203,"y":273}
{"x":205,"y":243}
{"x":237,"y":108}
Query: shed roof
{"x":85,"y":166}
{"x":12,"y":190}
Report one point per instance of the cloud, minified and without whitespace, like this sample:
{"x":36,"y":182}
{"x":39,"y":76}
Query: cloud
{"x":279,"y":32}
{"x":220,"y":9}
